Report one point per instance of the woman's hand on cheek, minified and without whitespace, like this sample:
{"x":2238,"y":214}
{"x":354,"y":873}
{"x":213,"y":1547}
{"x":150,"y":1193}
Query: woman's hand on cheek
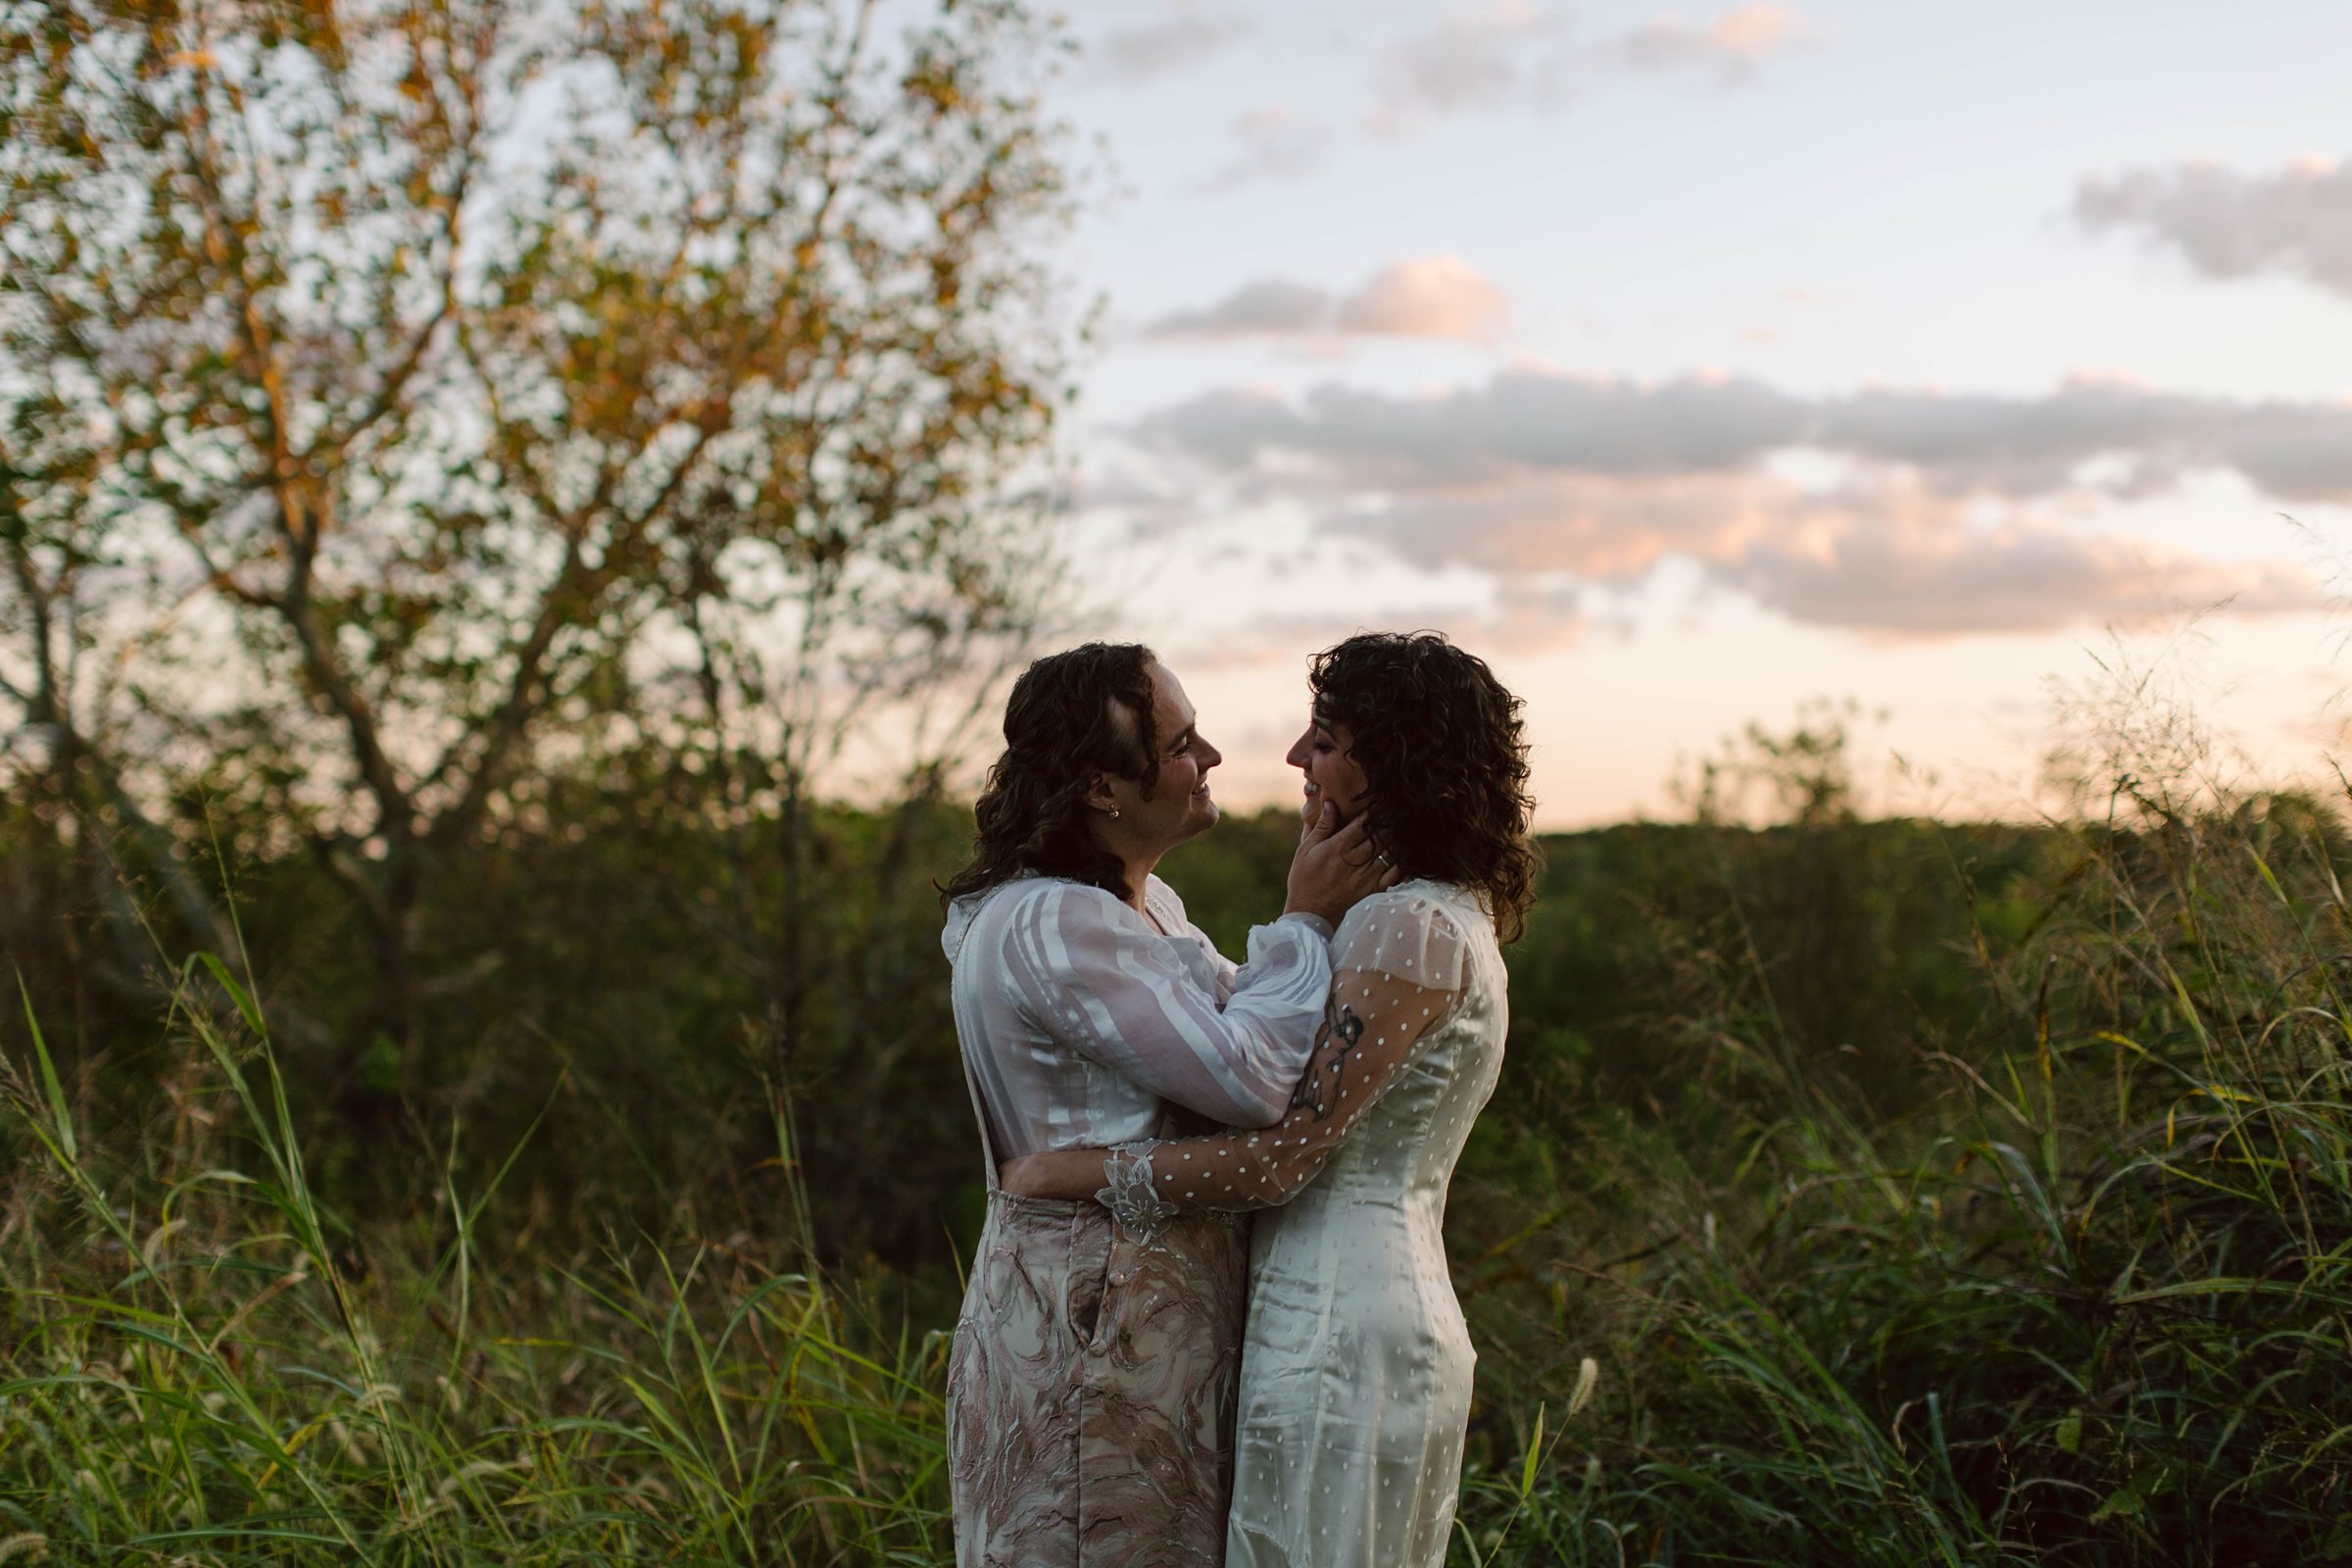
{"x":1335,"y":866}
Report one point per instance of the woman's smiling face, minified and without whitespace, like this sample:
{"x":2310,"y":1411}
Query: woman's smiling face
{"x":1325,"y":754}
{"x":1180,"y":805}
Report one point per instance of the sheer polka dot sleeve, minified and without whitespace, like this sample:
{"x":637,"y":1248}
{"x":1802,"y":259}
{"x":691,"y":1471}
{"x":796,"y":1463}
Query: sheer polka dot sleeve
{"x":1405,"y":936}
{"x":1400,"y":973}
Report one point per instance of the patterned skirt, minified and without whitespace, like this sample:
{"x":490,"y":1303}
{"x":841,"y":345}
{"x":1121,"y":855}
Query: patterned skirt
{"x":1091,"y":1389}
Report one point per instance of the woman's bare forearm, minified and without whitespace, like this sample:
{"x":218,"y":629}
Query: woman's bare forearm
{"x":1065,"y":1173}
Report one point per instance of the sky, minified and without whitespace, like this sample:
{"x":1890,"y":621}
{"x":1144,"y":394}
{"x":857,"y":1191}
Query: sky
{"x":1695,"y":365}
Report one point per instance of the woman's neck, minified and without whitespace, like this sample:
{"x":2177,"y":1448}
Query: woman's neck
{"x":1137,"y":873}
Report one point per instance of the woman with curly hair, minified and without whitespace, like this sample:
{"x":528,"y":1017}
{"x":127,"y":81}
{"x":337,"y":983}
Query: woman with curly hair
{"x":1089,"y":1387}
{"x":1356,"y":1368}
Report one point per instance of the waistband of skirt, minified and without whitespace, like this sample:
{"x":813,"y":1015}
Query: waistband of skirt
{"x":1009,"y":1211}
{"x":1013,"y":1205}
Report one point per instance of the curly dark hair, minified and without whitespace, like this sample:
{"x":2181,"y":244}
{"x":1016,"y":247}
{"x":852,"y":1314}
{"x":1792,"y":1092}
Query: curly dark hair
{"x":1063,"y":724}
{"x":1444,"y":759}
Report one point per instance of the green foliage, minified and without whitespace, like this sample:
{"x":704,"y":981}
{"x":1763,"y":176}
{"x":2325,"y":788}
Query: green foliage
{"x":403,"y":405}
{"x":2078,"y":1296}
{"x":1915,"y":1192}
{"x":1233,"y":877}
{"x":205,"y":1364}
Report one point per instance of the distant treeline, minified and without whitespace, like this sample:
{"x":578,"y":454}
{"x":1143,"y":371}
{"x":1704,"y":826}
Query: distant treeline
{"x":1855,"y":1192}
{"x":608,"y":973}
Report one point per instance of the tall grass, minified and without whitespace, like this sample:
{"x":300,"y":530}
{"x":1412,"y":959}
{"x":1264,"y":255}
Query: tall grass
{"x":2086,"y":1298}
{"x":2094,"y":1304}
{"x":203,"y":1365}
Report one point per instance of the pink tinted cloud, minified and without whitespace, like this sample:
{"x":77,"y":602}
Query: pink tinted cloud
{"x":1884,"y":555}
{"x":1443,"y":297}
{"x":1938,"y":522}
{"x":1440,"y":297}
{"x":1524,"y":618}
{"x":1523,"y":55}
{"x":1738,"y":40}
{"x":2018,"y":577}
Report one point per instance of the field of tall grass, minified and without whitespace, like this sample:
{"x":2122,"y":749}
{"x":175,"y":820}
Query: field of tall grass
{"x":206,"y":1365}
{"x":2083,"y":1302}
{"x":2072,"y":1289}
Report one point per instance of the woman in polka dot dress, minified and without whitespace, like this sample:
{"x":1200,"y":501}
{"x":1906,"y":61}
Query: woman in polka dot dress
{"x":1356,"y":1369}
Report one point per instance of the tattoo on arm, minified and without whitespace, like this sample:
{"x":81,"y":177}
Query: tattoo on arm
{"x":1319,"y":1090}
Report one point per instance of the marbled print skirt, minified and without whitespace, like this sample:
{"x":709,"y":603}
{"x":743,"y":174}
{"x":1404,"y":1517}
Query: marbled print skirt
{"x":1091,"y":1389}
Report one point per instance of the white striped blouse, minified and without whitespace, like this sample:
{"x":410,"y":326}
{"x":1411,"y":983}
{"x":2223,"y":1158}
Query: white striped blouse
{"x":1080,"y":1015}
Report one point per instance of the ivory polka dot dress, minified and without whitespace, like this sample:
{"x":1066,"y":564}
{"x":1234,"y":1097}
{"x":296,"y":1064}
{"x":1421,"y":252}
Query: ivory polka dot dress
{"x":1357,"y":1367}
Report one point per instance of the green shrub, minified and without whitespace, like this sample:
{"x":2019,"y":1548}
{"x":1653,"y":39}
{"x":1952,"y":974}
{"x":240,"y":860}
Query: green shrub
{"x":2087,"y":1303}
{"x":203,"y":1363}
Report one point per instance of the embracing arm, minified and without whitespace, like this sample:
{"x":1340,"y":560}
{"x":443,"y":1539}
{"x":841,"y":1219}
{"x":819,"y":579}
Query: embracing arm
{"x":1402,"y":979}
{"x":1101,"y":980}
{"x":1111,"y":988}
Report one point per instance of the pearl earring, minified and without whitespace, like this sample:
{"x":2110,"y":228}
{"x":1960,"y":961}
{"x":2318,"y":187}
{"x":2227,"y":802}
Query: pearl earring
{"x":1115,"y":811}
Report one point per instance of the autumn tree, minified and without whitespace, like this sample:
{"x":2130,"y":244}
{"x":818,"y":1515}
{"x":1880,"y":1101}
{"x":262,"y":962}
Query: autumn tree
{"x":399,"y":398}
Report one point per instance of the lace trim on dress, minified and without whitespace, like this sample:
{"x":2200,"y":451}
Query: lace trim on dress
{"x":1131,"y":1199}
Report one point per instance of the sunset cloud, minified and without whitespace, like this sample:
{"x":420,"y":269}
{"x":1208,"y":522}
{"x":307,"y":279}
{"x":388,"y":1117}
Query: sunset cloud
{"x":1122,"y":57}
{"x":1522,"y":55}
{"x":1272,"y":142}
{"x":1517,"y":419}
{"x":1772,"y":362}
{"x":1474,"y":60}
{"x":1924,"y":584}
{"x":1601,"y":528}
{"x":1883,"y":557}
{"x":1733,"y":42}
{"x":1270,"y":307}
{"x":1930,"y":515}
{"x":1443,"y":297}
{"x":1523,"y":619}
{"x":2295,"y":223}
{"x":2006,"y":445}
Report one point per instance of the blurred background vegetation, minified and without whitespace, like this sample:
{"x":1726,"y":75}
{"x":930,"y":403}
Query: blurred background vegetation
{"x":474,"y":478}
